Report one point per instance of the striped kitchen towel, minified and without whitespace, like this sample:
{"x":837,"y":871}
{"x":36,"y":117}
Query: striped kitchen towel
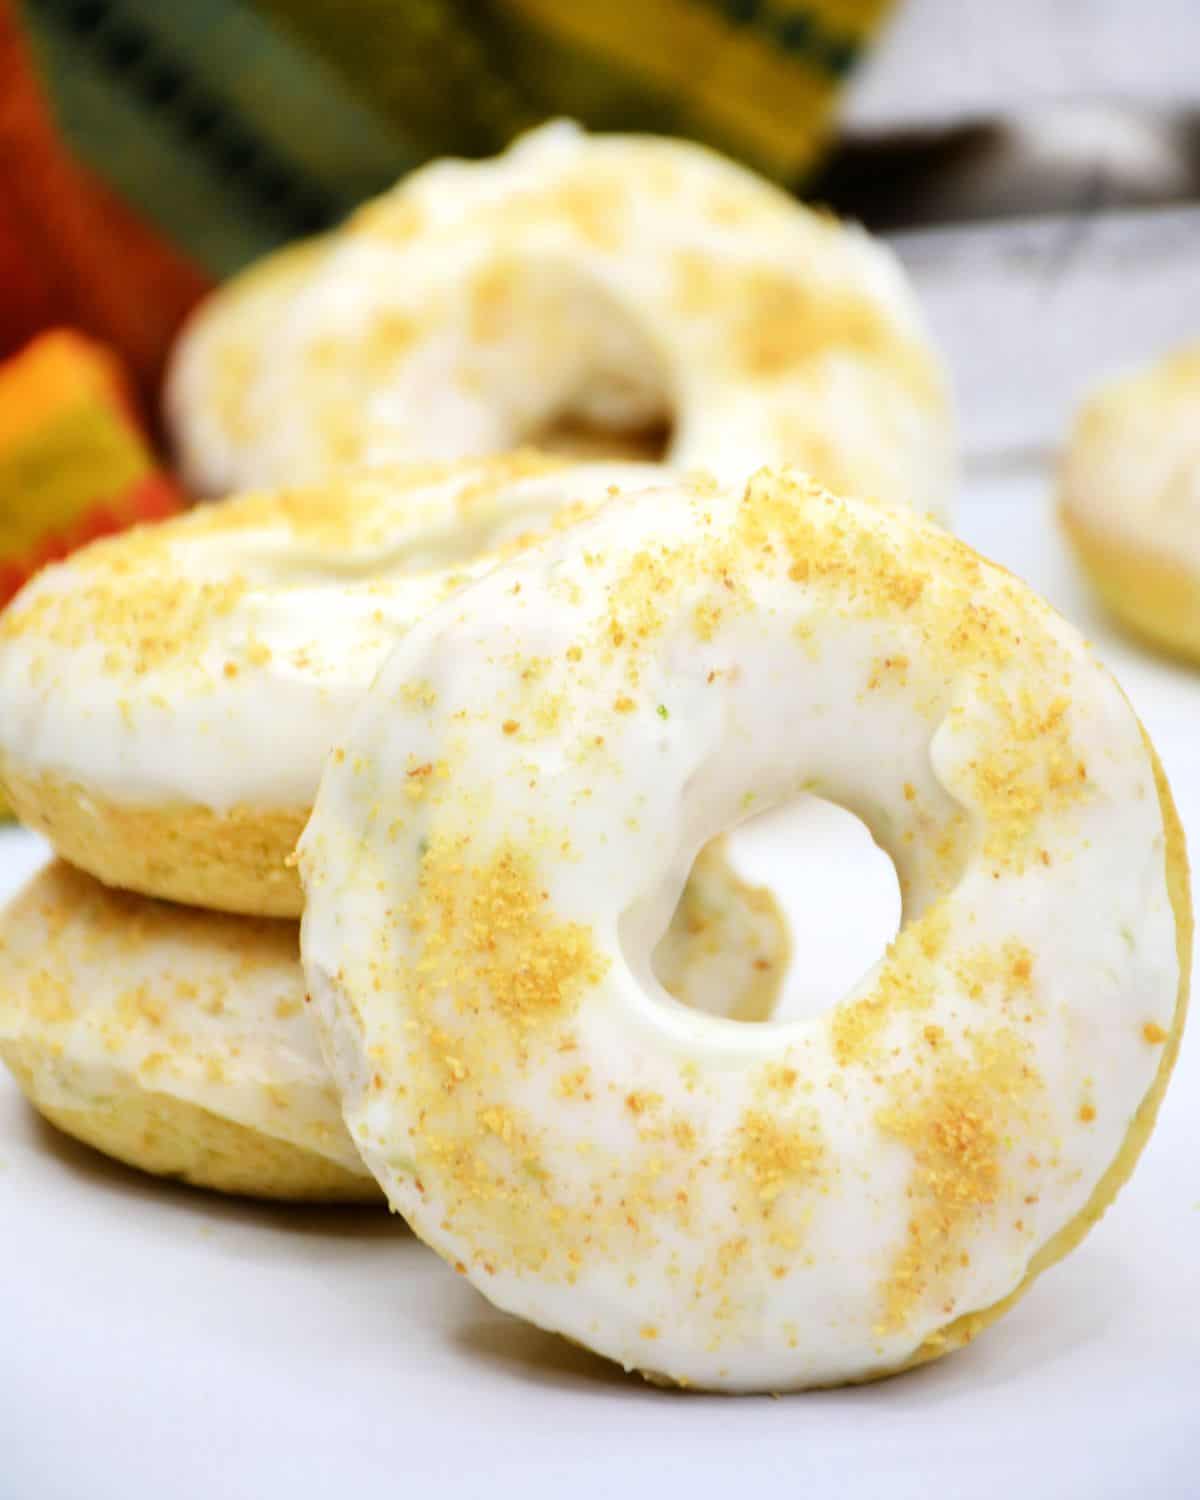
{"x":231,"y":126}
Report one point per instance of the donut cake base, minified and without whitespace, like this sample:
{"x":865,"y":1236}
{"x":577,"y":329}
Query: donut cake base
{"x":170,"y":1137}
{"x":236,"y":861}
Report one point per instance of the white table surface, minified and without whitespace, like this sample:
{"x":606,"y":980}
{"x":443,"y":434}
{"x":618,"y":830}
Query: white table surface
{"x":156,"y":1341}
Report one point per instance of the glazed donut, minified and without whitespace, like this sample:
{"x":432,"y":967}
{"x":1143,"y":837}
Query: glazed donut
{"x":490,"y":865}
{"x":174,"y":1040}
{"x":223,"y":346}
{"x":168,"y":696}
{"x":1129,"y":498}
{"x":621,"y":282}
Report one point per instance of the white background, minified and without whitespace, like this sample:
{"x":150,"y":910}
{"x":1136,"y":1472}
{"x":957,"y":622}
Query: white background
{"x":156,"y":1341}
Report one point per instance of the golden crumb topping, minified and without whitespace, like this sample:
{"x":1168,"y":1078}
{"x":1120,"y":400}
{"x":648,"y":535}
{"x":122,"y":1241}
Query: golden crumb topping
{"x":143,"y":618}
{"x":487,"y":930}
{"x":907,"y":981}
{"x":774,"y":1154}
{"x":153,"y":596}
{"x":785,"y":323}
{"x":1029,"y":764}
{"x":140,"y":973}
{"x":958,"y":1122}
{"x":595,"y":205}
{"x":395,"y":217}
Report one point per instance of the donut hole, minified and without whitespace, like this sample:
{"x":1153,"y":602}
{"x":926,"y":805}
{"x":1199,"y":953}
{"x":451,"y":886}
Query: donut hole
{"x":570,"y":363}
{"x":572,"y":436}
{"x":780,"y":917}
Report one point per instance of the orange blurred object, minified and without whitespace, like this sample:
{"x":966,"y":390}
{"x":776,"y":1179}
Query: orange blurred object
{"x":74,"y":462}
{"x":71,"y":252}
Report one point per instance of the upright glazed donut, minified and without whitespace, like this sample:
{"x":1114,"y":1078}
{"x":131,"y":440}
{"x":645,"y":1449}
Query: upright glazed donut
{"x":625,"y":282}
{"x":1129,"y":498}
{"x":174,"y":1040}
{"x":168,"y":696}
{"x":492,"y":861}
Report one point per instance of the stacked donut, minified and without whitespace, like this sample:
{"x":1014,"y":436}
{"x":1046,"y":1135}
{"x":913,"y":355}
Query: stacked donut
{"x":509,"y":704}
{"x":169,"y":697}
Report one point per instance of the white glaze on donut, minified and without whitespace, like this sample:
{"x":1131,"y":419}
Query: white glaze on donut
{"x":488,"y":869}
{"x":621,"y":280}
{"x":219,"y":355}
{"x":213,"y":659}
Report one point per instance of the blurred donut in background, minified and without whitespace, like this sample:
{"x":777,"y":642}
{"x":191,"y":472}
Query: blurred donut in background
{"x":639,"y":290}
{"x":1129,"y":498}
